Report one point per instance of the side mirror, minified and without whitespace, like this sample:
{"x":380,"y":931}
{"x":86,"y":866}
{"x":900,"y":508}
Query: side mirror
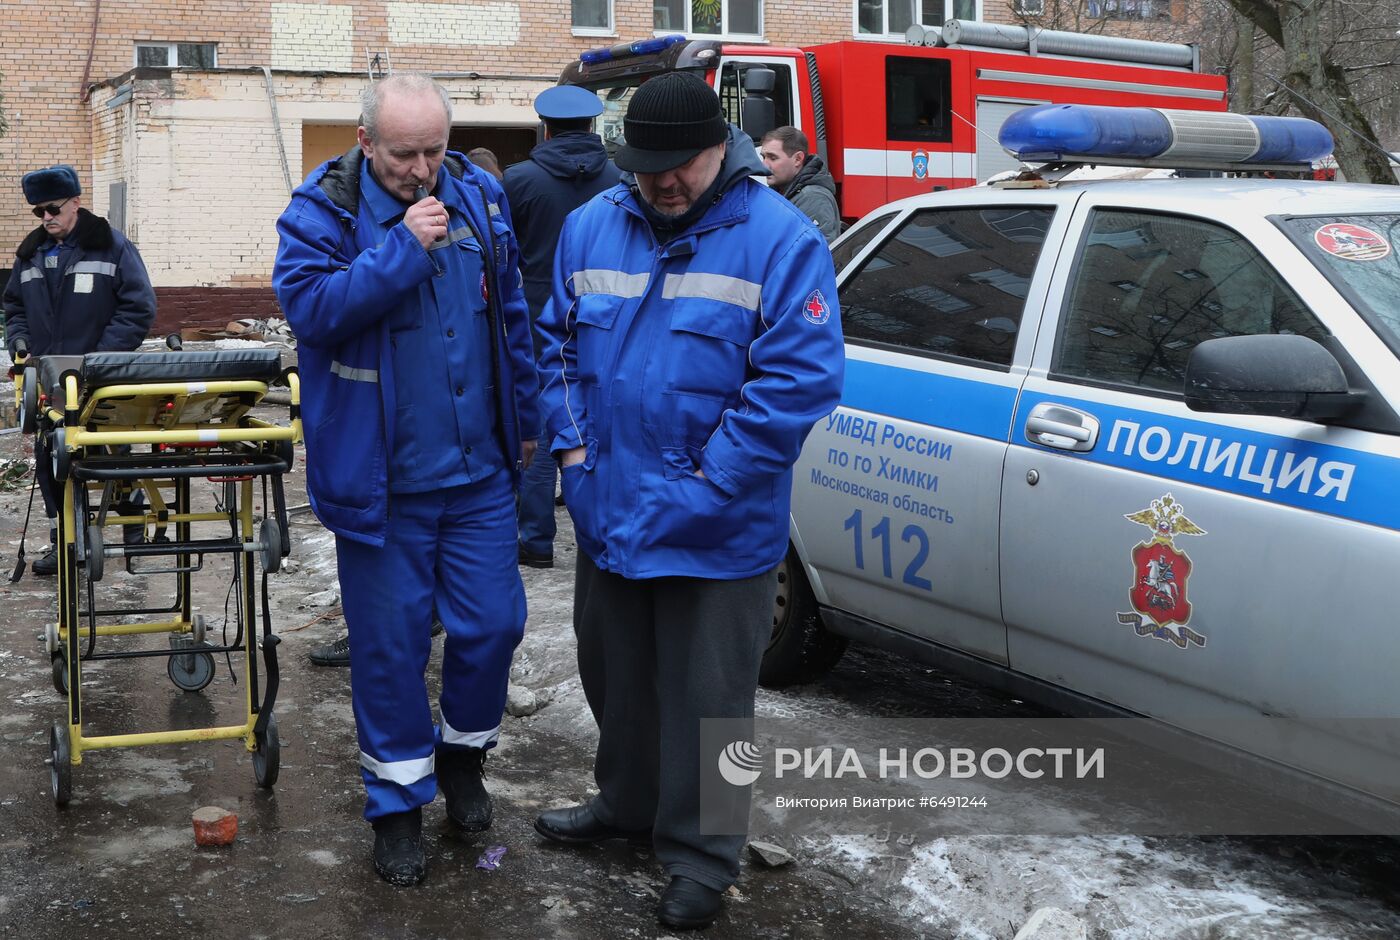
{"x":758,"y":115}
{"x":760,"y":81}
{"x":1280,"y":376}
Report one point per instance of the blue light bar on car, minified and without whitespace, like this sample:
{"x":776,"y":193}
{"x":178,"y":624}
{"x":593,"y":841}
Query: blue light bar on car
{"x":1081,"y":131}
{"x":623,"y":50}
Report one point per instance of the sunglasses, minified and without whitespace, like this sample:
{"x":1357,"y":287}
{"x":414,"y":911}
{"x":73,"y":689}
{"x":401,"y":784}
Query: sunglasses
{"x":54,"y":210}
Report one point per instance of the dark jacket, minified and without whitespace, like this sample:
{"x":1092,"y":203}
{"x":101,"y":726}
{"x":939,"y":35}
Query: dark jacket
{"x":105,"y":304}
{"x":562,"y":174}
{"x":340,"y":291}
{"x":814,"y":192}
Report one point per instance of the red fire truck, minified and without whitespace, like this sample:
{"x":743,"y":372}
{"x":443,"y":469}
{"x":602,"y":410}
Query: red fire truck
{"x":896,"y":120}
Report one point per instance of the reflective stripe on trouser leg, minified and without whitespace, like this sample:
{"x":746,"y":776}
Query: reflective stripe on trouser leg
{"x":387,"y":595}
{"x":481,"y":603}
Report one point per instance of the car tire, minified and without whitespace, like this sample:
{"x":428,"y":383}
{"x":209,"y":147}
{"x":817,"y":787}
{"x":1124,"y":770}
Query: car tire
{"x":800,"y":649}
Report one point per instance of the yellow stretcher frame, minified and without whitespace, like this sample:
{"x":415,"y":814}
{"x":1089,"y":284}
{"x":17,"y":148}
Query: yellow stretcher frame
{"x":73,"y":435}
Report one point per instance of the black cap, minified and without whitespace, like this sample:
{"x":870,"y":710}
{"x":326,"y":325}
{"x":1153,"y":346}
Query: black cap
{"x":669,"y":120}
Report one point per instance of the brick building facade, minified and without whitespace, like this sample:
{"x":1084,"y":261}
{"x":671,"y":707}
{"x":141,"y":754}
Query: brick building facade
{"x":193,"y":162}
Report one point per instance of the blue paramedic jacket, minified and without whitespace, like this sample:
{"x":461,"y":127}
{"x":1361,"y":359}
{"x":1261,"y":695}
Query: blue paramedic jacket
{"x":341,"y":292}
{"x":717,"y":350}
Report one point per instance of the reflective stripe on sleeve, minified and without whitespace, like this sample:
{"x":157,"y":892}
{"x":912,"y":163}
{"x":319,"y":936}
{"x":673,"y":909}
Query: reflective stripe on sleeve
{"x":722,"y":287}
{"x":29,"y":274}
{"x":353,"y":374}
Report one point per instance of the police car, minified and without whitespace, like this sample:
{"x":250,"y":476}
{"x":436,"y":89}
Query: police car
{"x":1126,"y":444}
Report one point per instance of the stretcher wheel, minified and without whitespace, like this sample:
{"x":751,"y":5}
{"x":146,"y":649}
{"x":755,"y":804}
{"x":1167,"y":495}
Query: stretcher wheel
{"x":60,"y":764}
{"x":197,"y":629}
{"x":94,"y":553}
{"x":29,"y":401}
{"x":267,"y":759}
{"x":59,"y":663}
{"x":59,"y":456}
{"x":270,"y":542}
{"x":190,"y":670}
{"x":286,"y":452}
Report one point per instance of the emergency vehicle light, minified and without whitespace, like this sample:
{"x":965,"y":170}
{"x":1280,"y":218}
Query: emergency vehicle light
{"x":623,"y":50}
{"x":1079,"y":131}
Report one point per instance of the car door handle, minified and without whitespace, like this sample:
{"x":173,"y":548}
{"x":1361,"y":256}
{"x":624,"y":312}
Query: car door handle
{"x":1052,"y":425}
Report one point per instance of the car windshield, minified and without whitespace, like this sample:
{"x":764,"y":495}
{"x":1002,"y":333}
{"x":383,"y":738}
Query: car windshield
{"x":1360,"y":255}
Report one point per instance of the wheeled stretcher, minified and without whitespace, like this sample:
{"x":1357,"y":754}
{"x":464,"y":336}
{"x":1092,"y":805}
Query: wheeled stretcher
{"x":136,"y":440}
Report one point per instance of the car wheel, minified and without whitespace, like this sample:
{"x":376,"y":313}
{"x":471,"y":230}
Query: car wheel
{"x":800,"y":649}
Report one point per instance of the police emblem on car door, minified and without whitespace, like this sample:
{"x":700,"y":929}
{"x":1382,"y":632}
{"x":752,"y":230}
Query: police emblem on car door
{"x":1160,"y":573}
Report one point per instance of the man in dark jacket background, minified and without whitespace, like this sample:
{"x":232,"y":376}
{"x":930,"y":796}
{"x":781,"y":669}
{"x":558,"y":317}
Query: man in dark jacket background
{"x":77,"y":286}
{"x":802,"y":177}
{"x":564,"y":172}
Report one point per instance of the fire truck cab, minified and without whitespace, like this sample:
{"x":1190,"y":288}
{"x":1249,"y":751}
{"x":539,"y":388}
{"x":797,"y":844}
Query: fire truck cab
{"x":894,"y":120}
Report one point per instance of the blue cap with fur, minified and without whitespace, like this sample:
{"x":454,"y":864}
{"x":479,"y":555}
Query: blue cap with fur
{"x":51,"y":184}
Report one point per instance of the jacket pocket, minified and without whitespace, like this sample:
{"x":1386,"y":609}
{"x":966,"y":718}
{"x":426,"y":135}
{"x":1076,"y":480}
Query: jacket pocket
{"x":690,"y":511}
{"x":594,"y":317}
{"x":709,"y":349}
{"x":579,"y":486}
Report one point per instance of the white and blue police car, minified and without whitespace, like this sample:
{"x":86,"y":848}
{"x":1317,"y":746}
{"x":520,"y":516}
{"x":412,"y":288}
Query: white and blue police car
{"x":1125,"y":444}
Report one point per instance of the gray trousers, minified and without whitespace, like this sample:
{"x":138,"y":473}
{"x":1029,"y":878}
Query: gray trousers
{"x":655,"y":657}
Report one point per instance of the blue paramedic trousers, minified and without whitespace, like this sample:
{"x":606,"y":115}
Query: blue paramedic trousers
{"x":453,"y":549}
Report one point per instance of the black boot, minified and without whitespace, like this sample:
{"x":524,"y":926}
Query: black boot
{"x":686,"y":904}
{"x":46,"y":565}
{"x":335,"y":653}
{"x":398,"y":848}
{"x":459,"y":773}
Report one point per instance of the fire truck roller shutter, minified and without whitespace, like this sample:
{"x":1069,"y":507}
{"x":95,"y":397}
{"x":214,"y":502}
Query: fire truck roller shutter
{"x":991,"y":114}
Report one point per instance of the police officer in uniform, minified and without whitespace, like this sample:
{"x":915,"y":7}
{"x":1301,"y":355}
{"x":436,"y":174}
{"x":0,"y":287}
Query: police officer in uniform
{"x":77,"y":286}
{"x":564,"y":172}
{"x":398,"y":273}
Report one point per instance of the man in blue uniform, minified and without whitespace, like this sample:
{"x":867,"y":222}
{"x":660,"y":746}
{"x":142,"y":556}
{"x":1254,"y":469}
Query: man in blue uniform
{"x":77,"y":286}
{"x":564,"y":172}
{"x":397,"y":270}
{"x":692,"y":340}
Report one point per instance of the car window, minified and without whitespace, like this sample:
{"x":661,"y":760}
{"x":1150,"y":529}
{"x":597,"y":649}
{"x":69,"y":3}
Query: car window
{"x":1357,"y":253}
{"x":949,"y":282}
{"x":1148,"y":287}
{"x":842,"y":254}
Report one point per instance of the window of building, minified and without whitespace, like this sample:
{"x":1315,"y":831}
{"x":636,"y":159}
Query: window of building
{"x":950,"y":282}
{"x":1129,"y":9}
{"x":1148,"y":287}
{"x":893,"y":17}
{"x":709,"y":17}
{"x":169,"y":55}
{"x":918,"y":96}
{"x":593,"y":17}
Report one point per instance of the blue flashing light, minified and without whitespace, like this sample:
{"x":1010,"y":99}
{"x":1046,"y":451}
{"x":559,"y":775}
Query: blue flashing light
{"x":594,"y":56}
{"x":1056,"y":131}
{"x":1291,"y":140}
{"x":1050,"y":130}
{"x":659,"y":44}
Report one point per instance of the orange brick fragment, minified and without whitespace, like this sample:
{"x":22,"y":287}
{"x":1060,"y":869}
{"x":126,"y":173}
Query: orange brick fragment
{"x":214,"y":826}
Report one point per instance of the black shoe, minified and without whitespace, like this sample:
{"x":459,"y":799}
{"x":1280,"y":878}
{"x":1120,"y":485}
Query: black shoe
{"x":398,"y":848}
{"x":536,"y":559}
{"x":577,"y":825}
{"x":459,"y":773}
{"x":46,"y":565}
{"x":686,"y":904}
{"x":437,"y":627}
{"x":336,"y":653}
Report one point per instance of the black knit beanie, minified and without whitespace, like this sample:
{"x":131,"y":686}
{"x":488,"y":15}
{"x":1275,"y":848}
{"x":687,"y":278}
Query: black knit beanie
{"x":669,"y":120}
